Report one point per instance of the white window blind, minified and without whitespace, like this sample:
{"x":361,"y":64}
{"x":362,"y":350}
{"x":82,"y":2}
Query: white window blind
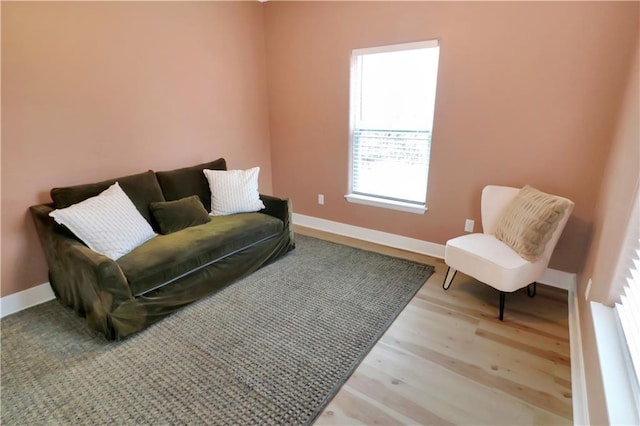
{"x":628,"y":309}
{"x":392,"y":107}
{"x":629,"y":312}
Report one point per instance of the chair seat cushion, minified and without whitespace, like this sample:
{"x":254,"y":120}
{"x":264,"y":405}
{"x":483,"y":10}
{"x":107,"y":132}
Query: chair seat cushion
{"x":168,"y":257}
{"x":492,"y":262}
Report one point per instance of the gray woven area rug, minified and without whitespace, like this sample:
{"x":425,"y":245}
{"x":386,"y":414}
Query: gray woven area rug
{"x":272,"y":348}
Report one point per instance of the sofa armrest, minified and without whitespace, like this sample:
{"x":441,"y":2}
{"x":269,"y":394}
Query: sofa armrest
{"x":97,"y":270}
{"x":277,"y":207}
{"x":283,"y":210}
{"x":87,"y":281}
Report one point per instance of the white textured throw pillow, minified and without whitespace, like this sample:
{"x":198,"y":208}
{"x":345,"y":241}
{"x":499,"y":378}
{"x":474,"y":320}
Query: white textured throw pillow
{"x":529,"y":220}
{"x":108,"y":223}
{"x":234,"y":191}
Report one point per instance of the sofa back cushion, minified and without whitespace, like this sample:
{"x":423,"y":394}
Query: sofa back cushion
{"x":142,"y":189}
{"x":181,"y":183}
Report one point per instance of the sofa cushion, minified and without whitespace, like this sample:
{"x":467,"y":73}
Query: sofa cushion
{"x":173,"y":216}
{"x":141,"y":188}
{"x":168,"y":257}
{"x":180,"y":183}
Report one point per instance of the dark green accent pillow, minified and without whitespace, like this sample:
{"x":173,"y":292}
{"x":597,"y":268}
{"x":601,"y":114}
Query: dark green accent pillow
{"x":142,"y":189}
{"x":180,"y":183}
{"x":173,"y":216}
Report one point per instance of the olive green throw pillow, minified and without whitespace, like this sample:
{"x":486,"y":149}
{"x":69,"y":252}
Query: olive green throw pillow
{"x":173,"y":216}
{"x":529,"y":220}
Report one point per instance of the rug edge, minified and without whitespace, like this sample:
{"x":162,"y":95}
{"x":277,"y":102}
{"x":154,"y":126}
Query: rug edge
{"x":372,"y":343}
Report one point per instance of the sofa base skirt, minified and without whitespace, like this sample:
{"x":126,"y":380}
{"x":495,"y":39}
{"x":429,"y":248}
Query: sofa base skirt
{"x":135,"y":314}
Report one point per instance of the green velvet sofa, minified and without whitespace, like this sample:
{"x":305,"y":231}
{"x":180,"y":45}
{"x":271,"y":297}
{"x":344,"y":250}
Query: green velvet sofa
{"x":119,"y":298}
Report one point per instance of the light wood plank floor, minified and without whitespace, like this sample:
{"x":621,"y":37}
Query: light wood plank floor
{"x":447,"y":359}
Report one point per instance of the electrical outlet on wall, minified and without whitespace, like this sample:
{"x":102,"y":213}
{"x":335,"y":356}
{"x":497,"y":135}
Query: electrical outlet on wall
{"x":321,"y":199}
{"x":468,"y":225}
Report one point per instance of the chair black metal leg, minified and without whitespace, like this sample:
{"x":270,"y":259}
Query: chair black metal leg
{"x":444,"y":283}
{"x":529,"y":292}
{"x":502,"y":295}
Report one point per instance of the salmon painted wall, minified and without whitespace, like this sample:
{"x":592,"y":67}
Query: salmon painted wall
{"x":92,"y":91}
{"x":620,"y":182}
{"x":528,"y":93}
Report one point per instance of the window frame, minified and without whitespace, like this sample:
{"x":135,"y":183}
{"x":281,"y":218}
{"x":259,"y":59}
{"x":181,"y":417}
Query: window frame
{"x":354,"y":107}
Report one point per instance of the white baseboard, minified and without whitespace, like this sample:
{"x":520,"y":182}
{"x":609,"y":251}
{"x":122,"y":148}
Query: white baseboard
{"x":25,"y":299}
{"x":551,"y":277}
{"x":578,"y":379}
{"x":559,"y":279}
{"x":370,"y":235}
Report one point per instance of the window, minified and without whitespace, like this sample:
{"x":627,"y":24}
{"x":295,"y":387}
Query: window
{"x":393,"y":90}
{"x":628,"y":309}
{"x":617,"y":330}
{"x":628,"y":315}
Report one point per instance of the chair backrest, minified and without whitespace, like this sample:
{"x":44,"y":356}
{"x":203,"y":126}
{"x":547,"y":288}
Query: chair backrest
{"x":496,"y":198}
{"x":551,"y":244}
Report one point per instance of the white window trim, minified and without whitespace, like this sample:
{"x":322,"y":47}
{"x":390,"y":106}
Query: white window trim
{"x":395,"y":47}
{"x":385,"y":203}
{"x":363,"y":199}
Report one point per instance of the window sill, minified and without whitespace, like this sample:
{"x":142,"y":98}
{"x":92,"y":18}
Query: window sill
{"x":386,"y":204}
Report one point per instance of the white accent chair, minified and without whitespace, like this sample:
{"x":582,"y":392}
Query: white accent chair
{"x":489,"y":260}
